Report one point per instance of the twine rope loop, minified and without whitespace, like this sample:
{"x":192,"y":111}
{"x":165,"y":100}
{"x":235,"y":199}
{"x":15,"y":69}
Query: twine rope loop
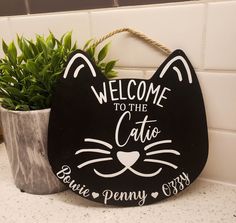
{"x":137,"y":34}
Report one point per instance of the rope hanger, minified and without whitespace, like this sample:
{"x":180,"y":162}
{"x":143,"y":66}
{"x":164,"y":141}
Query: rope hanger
{"x":136,"y":34}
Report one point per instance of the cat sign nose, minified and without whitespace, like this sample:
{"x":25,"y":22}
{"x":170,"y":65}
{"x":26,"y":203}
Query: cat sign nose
{"x":128,"y":158}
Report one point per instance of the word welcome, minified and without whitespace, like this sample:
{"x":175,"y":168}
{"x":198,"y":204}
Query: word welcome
{"x":142,"y":91}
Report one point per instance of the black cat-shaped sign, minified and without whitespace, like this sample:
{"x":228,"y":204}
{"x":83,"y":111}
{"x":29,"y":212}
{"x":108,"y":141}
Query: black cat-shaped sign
{"x":128,"y":142}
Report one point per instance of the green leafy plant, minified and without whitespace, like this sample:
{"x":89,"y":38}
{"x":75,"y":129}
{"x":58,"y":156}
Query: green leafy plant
{"x":28,"y":79}
{"x":106,"y":68}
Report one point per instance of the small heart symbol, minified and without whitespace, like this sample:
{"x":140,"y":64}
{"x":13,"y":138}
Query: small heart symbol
{"x":154,"y":194}
{"x":95,"y":195}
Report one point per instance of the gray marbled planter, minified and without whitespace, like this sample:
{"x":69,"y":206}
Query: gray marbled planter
{"x":25,"y":136}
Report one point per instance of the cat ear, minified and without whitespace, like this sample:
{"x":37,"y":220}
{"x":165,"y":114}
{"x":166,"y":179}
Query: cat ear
{"x":79,"y":63}
{"x":176,"y":66}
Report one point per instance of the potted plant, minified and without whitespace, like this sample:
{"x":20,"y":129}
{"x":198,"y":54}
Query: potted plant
{"x":28,"y":77}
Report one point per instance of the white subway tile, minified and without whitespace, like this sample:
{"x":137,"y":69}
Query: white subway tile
{"x":149,"y":73}
{"x":221,"y":165}
{"x":129,"y":74}
{"x":221,"y":36}
{"x":58,"y":23}
{"x":5,"y":33}
{"x":219,"y":92}
{"x":179,"y":26}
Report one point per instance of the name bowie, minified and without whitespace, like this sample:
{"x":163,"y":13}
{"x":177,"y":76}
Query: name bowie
{"x":139,"y":91}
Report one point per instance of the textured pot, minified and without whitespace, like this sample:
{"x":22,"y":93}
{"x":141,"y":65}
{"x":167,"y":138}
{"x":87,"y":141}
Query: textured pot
{"x":25,"y":136}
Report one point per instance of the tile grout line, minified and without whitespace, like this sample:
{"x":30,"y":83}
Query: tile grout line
{"x":216,"y":181}
{"x":197,"y":70}
{"x":115,"y":3}
{"x":204,"y":36}
{"x":226,"y":131}
{"x":27,"y":7}
{"x":217,"y":1}
{"x":216,"y":71}
{"x":90,"y":24}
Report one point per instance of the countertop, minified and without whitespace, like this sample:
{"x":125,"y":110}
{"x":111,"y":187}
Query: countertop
{"x":204,"y":201}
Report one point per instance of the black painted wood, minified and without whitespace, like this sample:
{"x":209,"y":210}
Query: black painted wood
{"x":128,"y":142}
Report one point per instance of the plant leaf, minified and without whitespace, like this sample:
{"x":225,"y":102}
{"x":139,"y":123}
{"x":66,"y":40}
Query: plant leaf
{"x":35,"y":88}
{"x":67,"y":41}
{"x":33,"y":47}
{"x":32,"y":67}
{"x":38,"y":99}
{"x":4,"y":47}
{"x":51,"y":40}
{"x":12,"y":53}
{"x":26,"y":50}
{"x":111,"y":74}
{"x":28,"y":80}
{"x":14,"y":92}
{"x":22,"y":107}
{"x":8,"y":79}
{"x":42,"y":46}
{"x":110,"y":65}
{"x":8,"y":103}
{"x":102,"y":54}
{"x":74,"y":46}
{"x":91,"y":51}
{"x":87,"y":44}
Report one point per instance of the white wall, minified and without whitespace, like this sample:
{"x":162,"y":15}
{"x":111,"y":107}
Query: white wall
{"x":205,"y":30}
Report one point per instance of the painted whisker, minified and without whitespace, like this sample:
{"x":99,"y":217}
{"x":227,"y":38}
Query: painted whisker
{"x":111,"y":174}
{"x":145,"y":174}
{"x":163,"y":151}
{"x":157,"y":143}
{"x":128,"y":168}
{"x":92,"y":151}
{"x":108,"y":145}
{"x":94,"y":161}
{"x":161,"y":162}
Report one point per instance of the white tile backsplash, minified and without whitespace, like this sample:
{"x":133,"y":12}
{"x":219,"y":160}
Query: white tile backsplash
{"x":128,"y":73}
{"x":59,"y":24}
{"x":206,"y":31}
{"x":221,"y":165}
{"x":5,"y":33}
{"x":219,"y":92}
{"x":174,"y":26}
{"x":221,"y":36}
{"x":149,"y":73}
